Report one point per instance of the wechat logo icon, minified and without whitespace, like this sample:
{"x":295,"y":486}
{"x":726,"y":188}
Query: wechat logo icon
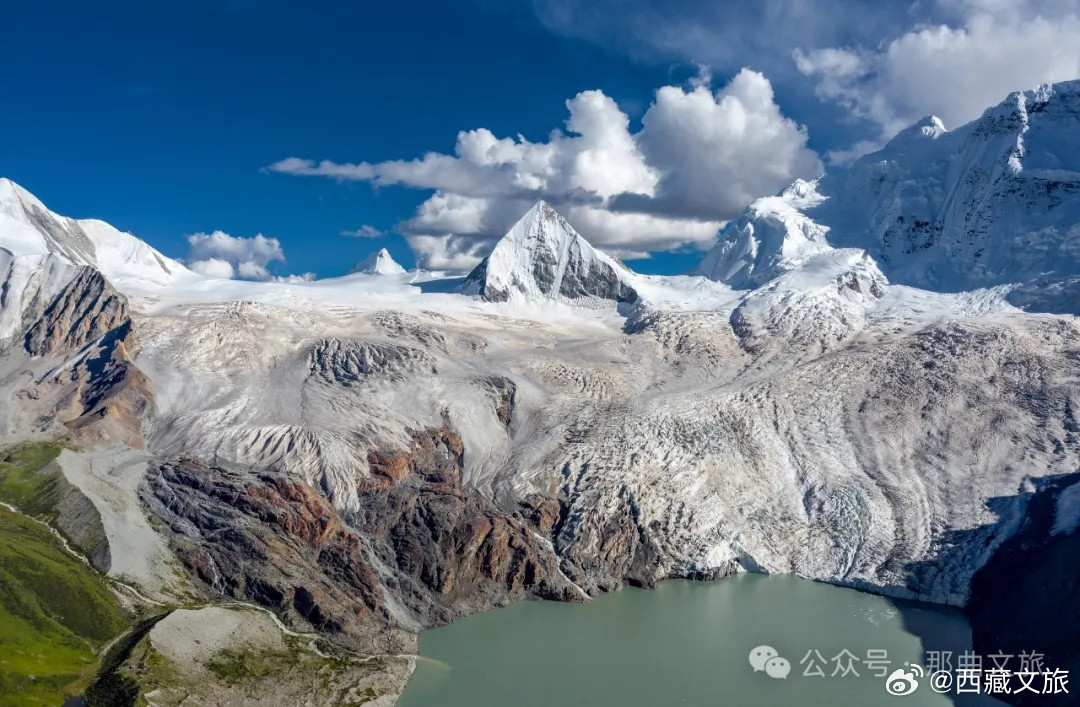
{"x":766,"y":658}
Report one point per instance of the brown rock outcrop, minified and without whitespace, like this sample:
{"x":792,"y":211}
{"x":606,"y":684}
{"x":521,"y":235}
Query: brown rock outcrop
{"x":99,"y":395}
{"x":268,"y":539}
{"x":419,"y":543}
{"x":114,"y":394}
{"x":454,"y":551}
{"x":85,"y":310}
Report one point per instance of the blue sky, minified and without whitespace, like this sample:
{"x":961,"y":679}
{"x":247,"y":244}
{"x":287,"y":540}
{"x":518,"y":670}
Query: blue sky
{"x":170,"y":121}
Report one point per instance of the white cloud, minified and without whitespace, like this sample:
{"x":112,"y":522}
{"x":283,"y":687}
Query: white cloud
{"x":699,"y":159}
{"x":252,"y":271}
{"x":364,"y":231}
{"x":718,"y":152}
{"x":303,"y":277}
{"x":599,"y":157}
{"x":632,"y":235}
{"x":447,"y":252}
{"x":214,"y":267}
{"x":954,"y":70}
{"x":218,"y":254}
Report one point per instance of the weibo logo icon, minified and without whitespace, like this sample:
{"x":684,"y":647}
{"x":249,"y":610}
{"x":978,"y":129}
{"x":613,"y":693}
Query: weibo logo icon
{"x":903,"y":682}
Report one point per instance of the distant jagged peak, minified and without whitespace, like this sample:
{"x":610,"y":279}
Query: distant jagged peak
{"x":378,"y":263}
{"x":771,"y":237}
{"x":542,"y":256}
{"x":990,"y":203}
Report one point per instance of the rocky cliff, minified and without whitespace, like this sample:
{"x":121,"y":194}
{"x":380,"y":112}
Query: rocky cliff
{"x":90,"y":386}
{"x":420,"y":550}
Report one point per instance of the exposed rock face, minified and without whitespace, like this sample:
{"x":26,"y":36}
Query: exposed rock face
{"x":420,"y":551}
{"x":453,"y":551}
{"x":504,"y":391}
{"x":86,"y":309}
{"x":348,"y":361}
{"x":266,"y":539}
{"x":115,"y":395}
{"x":96,"y":391}
{"x":543,"y":256}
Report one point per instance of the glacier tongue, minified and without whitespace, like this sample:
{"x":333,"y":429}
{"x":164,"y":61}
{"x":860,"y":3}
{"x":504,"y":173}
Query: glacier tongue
{"x":541,"y":257}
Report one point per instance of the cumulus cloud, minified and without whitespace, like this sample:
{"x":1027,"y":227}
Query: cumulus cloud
{"x":220,"y":255}
{"x":214,"y":267}
{"x":598,"y":157}
{"x":698,"y":159}
{"x":952,"y":70}
{"x":878,"y":66}
{"x":716,"y":152}
{"x":364,"y":231}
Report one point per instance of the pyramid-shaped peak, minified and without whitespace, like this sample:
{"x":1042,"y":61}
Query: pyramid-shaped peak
{"x":542,"y":256}
{"x":378,"y":263}
{"x":542,"y":208}
{"x":540,"y":213}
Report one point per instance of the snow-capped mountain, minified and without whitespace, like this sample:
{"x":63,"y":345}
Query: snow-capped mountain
{"x":770,"y":238}
{"x":28,"y":228}
{"x":378,"y":263}
{"x":994,"y":202}
{"x":41,"y":252}
{"x":845,"y":395}
{"x":542,"y":256}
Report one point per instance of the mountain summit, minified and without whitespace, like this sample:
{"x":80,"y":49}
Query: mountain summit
{"x":542,"y":256}
{"x":29,"y":229}
{"x":994,"y":202}
{"x":378,"y":263}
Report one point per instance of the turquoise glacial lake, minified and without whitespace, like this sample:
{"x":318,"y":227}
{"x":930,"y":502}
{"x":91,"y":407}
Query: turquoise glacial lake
{"x":689,"y":643}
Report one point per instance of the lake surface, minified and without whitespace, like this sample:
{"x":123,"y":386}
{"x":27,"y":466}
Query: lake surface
{"x":686,"y":643}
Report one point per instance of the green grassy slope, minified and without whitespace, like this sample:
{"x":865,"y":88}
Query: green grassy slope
{"x":20,"y":484}
{"x":55,"y":610}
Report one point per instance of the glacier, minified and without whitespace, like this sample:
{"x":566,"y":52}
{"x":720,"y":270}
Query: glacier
{"x":870,"y":381}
